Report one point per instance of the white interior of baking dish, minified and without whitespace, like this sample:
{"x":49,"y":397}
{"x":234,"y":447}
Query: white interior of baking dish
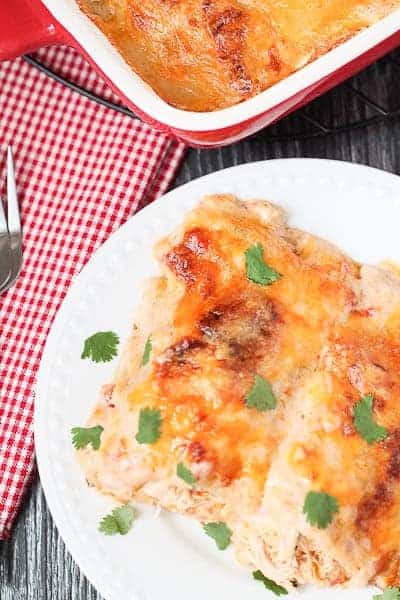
{"x":141,"y":94}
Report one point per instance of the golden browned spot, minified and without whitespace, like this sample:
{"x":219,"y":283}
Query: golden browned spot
{"x":389,"y":566}
{"x":393,"y":443}
{"x":179,"y":360}
{"x":372,"y":506}
{"x":142,"y":21}
{"x":274,"y":59}
{"x":371,"y":363}
{"x":243,"y":329}
{"x":223,"y":466}
{"x":180,"y":351}
{"x":364,"y":312}
{"x":226,"y":23}
{"x":197,"y":451}
{"x":190,"y":263}
{"x":229,"y":468}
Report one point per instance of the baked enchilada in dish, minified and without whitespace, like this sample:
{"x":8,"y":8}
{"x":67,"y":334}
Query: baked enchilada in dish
{"x":259,"y":393}
{"x":203,"y":55}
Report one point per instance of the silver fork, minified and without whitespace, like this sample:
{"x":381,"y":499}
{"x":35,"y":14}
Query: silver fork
{"x":10,"y":232}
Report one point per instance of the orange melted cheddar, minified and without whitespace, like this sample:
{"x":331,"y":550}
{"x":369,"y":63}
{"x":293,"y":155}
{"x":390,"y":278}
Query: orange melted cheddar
{"x":323,"y":334}
{"x":230,"y":329}
{"x":203,"y":55}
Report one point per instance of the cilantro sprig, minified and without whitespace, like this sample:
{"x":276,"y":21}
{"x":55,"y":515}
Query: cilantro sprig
{"x":120,"y":520}
{"x":364,"y":423}
{"x":149,"y":429}
{"x":185,"y":474}
{"x":389,"y":594}
{"x":320,"y":509}
{"x":101,"y":346}
{"x":256,"y":268}
{"x":147,"y":351}
{"x":220,"y":533}
{"x":273,"y":587}
{"x":82,"y":436}
{"x":261,"y":397}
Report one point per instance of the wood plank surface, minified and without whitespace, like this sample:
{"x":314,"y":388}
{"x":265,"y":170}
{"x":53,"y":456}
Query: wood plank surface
{"x":34,"y":564}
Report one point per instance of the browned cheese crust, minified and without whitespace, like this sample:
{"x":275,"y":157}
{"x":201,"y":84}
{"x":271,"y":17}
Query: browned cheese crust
{"x":203,"y":55}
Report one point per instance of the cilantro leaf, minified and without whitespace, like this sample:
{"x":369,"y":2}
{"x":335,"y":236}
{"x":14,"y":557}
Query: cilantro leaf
{"x":364,"y":423}
{"x":148,"y":347}
{"x":185,"y":474}
{"x":261,"y":395}
{"x":256,"y":269}
{"x":82,"y":436}
{"x":120,"y":520}
{"x":388,"y":594}
{"x":220,"y":533}
{"x":273,"y":587}
{"x":149,"y":426}
{"x":320,"y":508}
{"x":101,"y":346}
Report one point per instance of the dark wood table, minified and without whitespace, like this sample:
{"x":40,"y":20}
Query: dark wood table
{"x":34,"y":564}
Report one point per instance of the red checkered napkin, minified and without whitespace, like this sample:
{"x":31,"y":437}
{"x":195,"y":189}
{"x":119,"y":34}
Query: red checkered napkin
{"x":82,"y":170}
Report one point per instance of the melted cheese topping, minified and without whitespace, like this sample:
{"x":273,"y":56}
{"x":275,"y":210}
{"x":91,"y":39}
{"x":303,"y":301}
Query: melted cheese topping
{"x":324,"y":335}
{"x":204,"y":55}
{"x":228,"y":329}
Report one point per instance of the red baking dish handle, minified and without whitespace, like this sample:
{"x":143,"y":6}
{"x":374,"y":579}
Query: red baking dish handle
{"x":25,"y":26}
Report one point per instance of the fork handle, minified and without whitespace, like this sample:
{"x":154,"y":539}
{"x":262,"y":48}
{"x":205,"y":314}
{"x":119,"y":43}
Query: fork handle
{"x":5,"y":259}
{"x":26,"y":26}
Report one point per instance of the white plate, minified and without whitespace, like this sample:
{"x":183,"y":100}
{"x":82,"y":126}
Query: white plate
{"x":169,"y":557}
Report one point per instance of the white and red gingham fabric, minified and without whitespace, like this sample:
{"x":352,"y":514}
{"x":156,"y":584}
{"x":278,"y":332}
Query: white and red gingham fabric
{"x":81,"y":170}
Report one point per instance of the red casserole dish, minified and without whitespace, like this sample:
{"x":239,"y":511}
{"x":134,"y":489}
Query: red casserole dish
{"x":26,"y":25}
